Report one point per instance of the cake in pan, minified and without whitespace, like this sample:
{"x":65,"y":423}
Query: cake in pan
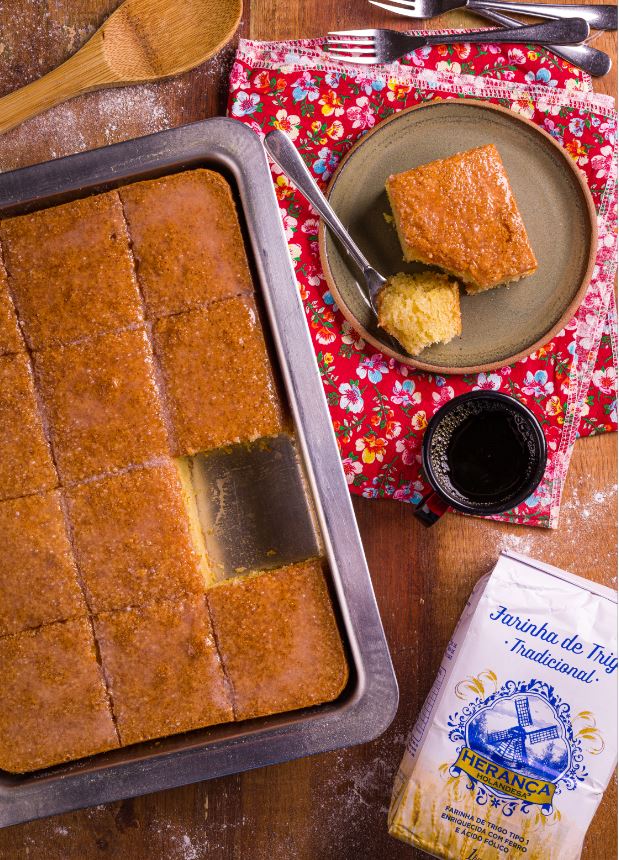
{"x":235,"y":400}
{"x":71,"y":272}
{"x":194,"y":213}
{"x":102,"y":404}
{"x":10,"y":336}
{"x":142,"y":346}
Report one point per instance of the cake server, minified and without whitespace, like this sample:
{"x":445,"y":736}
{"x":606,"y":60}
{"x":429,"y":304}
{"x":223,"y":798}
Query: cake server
{"x":601,"y":17}
{"x":284,"y":153}
{"x":379,"y":47}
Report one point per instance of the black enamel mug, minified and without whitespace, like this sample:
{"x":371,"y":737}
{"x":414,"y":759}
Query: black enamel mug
{"x":483,"y":453}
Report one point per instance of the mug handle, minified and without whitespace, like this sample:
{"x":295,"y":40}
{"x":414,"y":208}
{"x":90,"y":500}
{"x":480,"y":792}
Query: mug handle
{"x":430,"y":509}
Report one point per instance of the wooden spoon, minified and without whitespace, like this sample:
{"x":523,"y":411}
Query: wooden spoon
{"x":143,"y":40}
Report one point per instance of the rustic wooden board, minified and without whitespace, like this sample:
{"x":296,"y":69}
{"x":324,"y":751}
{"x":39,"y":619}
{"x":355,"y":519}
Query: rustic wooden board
{"x":331,"y":807}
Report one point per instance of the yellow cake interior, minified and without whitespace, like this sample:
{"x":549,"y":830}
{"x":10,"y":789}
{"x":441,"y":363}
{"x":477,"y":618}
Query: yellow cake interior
{"x":420,"y":309}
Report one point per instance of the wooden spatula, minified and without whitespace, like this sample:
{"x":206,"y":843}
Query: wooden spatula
{"x":143,"y":40}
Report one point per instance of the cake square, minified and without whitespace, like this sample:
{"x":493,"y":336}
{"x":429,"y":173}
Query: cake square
{"x":133,"y":539}
{"x":187,"y":241}
{"x":217,"y":376}
{"x":278,"y":640}
{"x":420,"y":309}
{"x":163,"y":669}
{"x":10,"y":335}
{"x":38,"y":577}
{"x":460,"y":214}
{"x":53,"y":702}
{"x":26,"y":464}
{"x":102,"y":404}
{"x":70,"y":270}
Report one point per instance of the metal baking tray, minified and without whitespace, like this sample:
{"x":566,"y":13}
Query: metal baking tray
{"x":368,"y":704}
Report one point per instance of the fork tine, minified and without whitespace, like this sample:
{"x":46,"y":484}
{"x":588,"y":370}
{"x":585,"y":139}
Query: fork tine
{"x":408,"y":3}
{"x":368,"y":33}
{"x":406,"y":10}
{"x":359,"y":42}
{"x":363,"y":61}
{"x":351,"y":51}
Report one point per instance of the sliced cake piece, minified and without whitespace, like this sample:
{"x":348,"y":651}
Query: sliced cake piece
{"x":187,"y":241}
{"x":102,"y":404}
{"x":38,"y":577}
{"x":460,"y":214}
{"x":163,"y":669}
{"x":217,"y":376}
{"x":133,"y":539}
{"x":25,"y":459}
{"x":420,"y":309}
{"x":70,"y":270}
{"x":53,"y":702}
{"x":278,"y":639}
{"x":10,"y":336}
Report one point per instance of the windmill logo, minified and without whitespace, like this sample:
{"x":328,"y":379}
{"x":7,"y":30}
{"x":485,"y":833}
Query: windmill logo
{"x":522,"y":733}
{"x":511,"y":744}
{"x":516,"y":747}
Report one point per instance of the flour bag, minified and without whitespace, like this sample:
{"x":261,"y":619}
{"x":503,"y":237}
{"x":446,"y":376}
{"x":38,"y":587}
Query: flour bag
{"x":517,"y":739}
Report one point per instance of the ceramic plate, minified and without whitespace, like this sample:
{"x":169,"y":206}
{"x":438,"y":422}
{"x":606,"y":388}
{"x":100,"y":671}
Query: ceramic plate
{"x":501,"y":325}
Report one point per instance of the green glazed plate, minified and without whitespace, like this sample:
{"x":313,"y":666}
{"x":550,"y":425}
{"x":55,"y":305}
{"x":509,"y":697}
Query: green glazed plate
{"x":501,"y":325}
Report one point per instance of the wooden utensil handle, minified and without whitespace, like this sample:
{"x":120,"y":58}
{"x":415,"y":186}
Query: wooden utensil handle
{"x":80,"y":73}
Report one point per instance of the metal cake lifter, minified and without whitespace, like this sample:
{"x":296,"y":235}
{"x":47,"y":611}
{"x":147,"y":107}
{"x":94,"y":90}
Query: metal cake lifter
{"x":283,"y":152}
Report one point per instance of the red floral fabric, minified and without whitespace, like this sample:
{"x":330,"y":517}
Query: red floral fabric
{"x":380,"y":407}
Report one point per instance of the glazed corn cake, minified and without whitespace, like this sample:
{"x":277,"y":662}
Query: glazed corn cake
{"x":141,"y":347}
{"x":38,"y":575}
{"x":194,"y":214}
{"x":163,"y":669}
{"x":10,"y":336}
{"x":420,"y":309}
{"x":460,"y":214}
{"x":54,"y":706}
{"x":217,"y":376}
{"x":102,"y":404}
{"x":133,"y":540}
{"x":70,"y":270}
{"x":278,"y":640}
{"x":26,"y":464}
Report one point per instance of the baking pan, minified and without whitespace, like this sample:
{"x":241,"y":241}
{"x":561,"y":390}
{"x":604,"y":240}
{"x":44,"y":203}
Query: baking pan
{"x":368,"y":704}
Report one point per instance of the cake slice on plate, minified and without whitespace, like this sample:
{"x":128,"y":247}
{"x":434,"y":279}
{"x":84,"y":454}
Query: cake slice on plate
{"x":420,"y":309}
{"x":460,"y":214}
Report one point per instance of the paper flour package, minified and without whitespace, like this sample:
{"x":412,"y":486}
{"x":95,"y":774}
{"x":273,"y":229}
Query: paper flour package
{"x":517,"y":739}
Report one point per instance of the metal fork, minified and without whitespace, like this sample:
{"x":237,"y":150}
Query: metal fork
{"x":370,"y":47}
{"x":602,"y":17}
{"x":590,"y":60}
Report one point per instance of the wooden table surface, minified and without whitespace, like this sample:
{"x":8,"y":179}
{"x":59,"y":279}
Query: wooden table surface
{"x":329,"y":807}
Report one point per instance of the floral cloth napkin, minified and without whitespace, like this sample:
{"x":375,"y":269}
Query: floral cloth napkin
{"x":380,"y":407}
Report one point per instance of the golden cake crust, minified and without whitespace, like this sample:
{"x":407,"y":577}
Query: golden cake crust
{"x":70,"y":270}
{"x":25,"y":460}
{"x":132,"y":538}
{"x":10,"y":335}
{"x":217,"y":376}
{"x":459,"y":213}
{"x":278,"y":640}
{"x":38,"y":577}
{"x":102,"y":404}
{"x":53,"y":703}
{"x":163,"y":669}
{"x":187,"y":241}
